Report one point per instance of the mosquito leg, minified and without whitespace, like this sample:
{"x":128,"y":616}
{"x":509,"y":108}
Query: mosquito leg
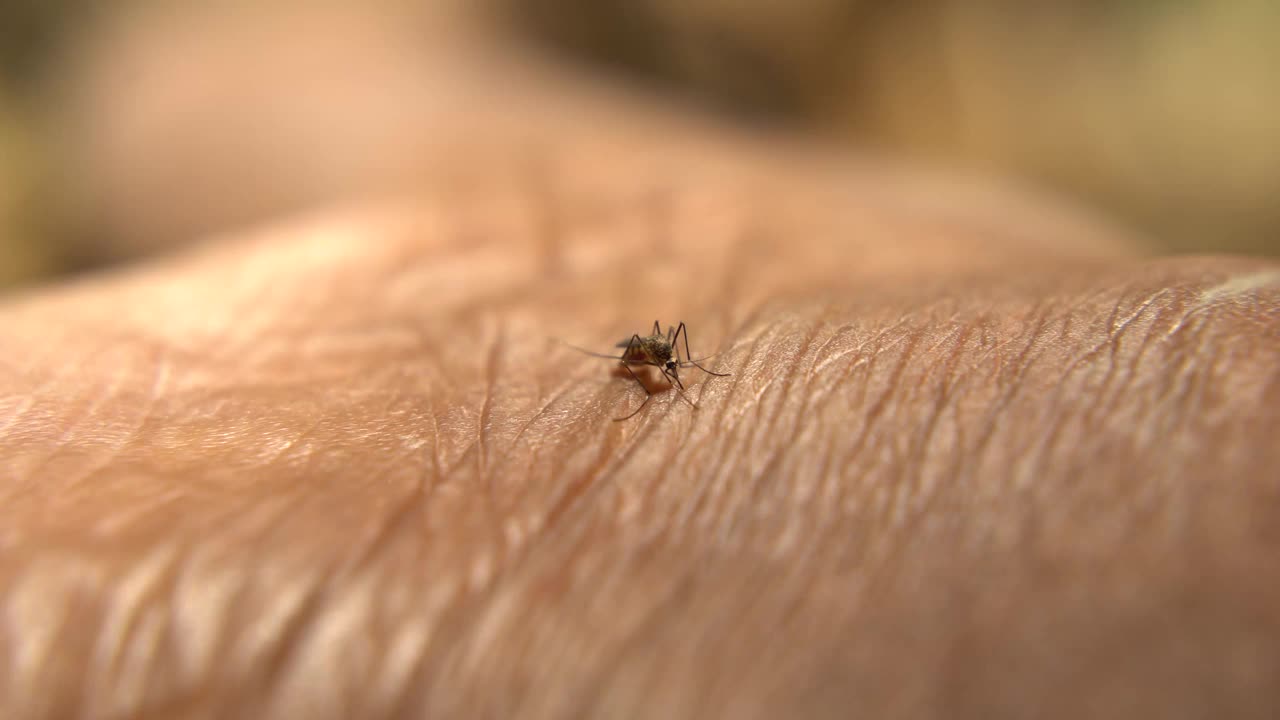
{"x":691,"y":361}
{"x":673,"y":377}
{"x":625,"y":355}
{"x":634,"y":343}
{"x":680,"y":389}
{"x":710,"y":372}
{"x":657,"y":329}
{"x":647,"y":395}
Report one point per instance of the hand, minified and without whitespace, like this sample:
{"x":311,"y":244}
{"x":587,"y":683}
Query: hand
{"x":975,"y":457}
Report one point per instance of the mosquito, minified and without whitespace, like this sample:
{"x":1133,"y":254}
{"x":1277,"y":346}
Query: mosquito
{"x":659,"y":350}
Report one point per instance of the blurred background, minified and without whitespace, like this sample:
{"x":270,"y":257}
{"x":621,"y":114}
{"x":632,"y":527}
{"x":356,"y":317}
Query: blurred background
{"x":132,"y":126}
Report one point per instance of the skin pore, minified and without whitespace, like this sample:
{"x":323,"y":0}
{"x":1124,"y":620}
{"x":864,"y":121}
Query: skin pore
{"x":978,"y":457}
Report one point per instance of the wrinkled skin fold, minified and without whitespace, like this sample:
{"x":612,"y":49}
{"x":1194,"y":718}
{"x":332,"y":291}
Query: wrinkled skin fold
{"x":977,"y":457}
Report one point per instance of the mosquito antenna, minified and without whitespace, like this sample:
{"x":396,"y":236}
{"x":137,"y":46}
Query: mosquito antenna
{"x":694,"y":363}
{"x":585,"y":351}
{"x":704,"y":358}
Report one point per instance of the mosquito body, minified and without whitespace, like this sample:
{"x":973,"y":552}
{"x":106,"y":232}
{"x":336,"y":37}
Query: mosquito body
{"x":660,"y":350}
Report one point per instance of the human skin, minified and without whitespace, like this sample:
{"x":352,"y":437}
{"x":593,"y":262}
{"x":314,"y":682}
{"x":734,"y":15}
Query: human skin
{"x":977,"y":457}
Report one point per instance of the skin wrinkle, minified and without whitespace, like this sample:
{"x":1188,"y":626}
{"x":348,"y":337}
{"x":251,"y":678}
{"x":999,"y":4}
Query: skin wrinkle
{"x":1127,"y":380}
{"x":1194,"y":375}
{"x":36,"y":614}
{"x":318,"y":606}
{"x":540,"y":470}
{"x":159,"y":389}
{"x":1007,"y":391}
{"x":649,"y":498}
{"x":881,"y":403}
{"x":923,"y":439}
{"x":1167,"y":393}
{"x":969,"y":458}
{"x":679,"y":449}
{"x":823,"y":390}
{"x":820,"y":395}
{"x":289,"y":637}
{"x":15,"y":410}
{"x":838,"y":334}
{"x":576,"y":492}
{"x":932,"y":452}
{"x":1033,"y":462}
{"x":1150,"y":341}
{"x":633,"y":640}
{"x":620,"y":626}
{"x":482,"y":429}
{"x":1213,"y":368}
{"x":395,"y":683}
{"x":458,"y":626}
{"x":969,"y":454}
{"x":716,"y":531}
{"x":402,"y":513}
{"x":555,"y":396}
{"x":753,"y":360}
{"x":814,"y":399}
{"x":774,"y":425}
{"x":206,"y":593}
{"x":946,"y":386}
{"x":1062,"y":388}
{"x":130,"y":654}
{"x":742,"y":612}
{"x":1147,"y":392}
{"x":638,"y":443}
{"x":127,"y":648}
{"x":76,"y":481}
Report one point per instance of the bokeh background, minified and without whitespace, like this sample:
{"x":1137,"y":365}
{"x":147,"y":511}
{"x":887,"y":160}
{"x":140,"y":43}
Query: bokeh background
{"x":127,"y":128}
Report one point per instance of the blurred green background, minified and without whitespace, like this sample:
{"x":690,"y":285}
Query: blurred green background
{"x":126,"y":128}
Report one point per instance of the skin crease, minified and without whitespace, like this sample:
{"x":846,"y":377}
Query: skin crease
{"x":336,"y":468}
{"x":978,"y":457}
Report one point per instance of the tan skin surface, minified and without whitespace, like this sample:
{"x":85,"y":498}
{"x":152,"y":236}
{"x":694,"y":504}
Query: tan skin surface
{"x":975,"y":459}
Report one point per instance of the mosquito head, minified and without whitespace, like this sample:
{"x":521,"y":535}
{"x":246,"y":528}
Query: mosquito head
{"x":671,"y":369}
